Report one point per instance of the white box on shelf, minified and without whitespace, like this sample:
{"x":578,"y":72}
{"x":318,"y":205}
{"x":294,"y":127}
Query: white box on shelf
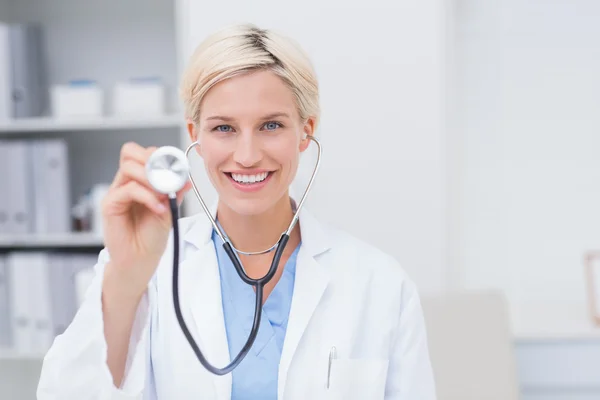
{"x":139,"y":97}
{"x":77,"y":99}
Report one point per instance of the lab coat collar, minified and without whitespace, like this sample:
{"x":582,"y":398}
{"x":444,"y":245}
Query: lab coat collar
{"x":315,"y":239}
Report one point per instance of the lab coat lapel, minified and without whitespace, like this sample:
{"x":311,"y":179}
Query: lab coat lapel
{"x":311,"y":281}
{"x":201,"y":279}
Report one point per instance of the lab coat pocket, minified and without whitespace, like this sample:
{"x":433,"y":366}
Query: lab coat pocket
{"x":357,"y":379}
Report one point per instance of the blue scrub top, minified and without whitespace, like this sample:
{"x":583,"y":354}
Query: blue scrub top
{"x":256,"y":376}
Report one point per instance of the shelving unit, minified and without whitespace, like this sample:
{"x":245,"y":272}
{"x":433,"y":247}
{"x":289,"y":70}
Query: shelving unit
{"x":99,"y":41}
{"x":108,"y":42}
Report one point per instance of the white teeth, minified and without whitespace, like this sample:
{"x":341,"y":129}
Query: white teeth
{"x":242,"y":178}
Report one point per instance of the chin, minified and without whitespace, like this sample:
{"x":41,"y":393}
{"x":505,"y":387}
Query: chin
{"x":249,"y":207}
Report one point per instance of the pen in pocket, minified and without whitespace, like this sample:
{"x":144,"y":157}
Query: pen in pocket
{"x":332,"y":356}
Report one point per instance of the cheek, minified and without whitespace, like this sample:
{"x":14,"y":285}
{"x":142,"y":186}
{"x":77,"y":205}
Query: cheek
{"x":284,"y":152}
{"x":288,"y":158}
{"x":213,"y":154}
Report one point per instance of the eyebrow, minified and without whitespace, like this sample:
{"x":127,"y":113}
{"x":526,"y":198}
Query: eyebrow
{"x":268,"y":116}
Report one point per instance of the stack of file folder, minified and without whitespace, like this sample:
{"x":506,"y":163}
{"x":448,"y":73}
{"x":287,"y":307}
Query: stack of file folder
{"x":39,"y":297}
{"x":35,"y":186}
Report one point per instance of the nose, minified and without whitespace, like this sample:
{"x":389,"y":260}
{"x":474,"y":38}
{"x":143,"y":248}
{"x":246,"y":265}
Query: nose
{"x":247,"y":151}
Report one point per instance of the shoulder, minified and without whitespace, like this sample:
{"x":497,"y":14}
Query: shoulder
{"x":364,"y":260}
{"x":358,"y":269}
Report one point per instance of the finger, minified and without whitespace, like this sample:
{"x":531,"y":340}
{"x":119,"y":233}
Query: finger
{"x":132,"y":150}
{"x":132,"y":171}
{"x":134,"y":192}
{"x":140,"y":156}
{"x":117,"y":180}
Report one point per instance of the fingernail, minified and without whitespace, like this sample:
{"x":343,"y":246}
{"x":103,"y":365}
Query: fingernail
{"x":161,"y":208}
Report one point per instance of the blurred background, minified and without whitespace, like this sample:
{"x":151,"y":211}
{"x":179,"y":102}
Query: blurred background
{"x":461,"y":136}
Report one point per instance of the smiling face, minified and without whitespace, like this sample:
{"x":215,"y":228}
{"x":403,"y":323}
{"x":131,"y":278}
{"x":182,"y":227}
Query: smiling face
{"x":251,"y":136}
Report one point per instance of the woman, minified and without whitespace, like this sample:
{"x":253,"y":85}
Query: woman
{"x":340,"y":318}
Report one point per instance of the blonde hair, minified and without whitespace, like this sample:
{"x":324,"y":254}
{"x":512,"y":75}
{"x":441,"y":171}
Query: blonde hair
{"x":246,"y":48}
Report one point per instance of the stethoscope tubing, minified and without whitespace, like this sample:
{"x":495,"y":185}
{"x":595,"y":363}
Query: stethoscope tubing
{"x":258,"y":283}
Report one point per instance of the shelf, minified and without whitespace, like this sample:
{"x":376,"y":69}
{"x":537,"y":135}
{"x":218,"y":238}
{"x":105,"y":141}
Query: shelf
{"x":68,"y":240}
{"x":49,"y":124}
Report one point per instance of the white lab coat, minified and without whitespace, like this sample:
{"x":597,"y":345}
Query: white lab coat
{"x":347,"y":295}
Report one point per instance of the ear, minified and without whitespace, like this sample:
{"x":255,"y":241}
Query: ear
{"x":193,"y":132}
{"x":308,"y":130}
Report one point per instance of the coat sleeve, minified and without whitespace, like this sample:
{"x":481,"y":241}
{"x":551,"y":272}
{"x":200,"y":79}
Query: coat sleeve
{"x":410,"y":374}
{"x":75,"y":367}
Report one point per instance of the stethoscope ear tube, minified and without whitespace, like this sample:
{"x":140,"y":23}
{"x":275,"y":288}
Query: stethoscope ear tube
{"x":257,"y":283}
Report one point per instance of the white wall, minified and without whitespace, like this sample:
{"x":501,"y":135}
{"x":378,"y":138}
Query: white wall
{"x":380,"y":66}
{"x":529,"y":188}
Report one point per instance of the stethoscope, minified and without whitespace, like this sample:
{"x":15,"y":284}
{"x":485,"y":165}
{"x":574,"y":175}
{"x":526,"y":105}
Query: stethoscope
{"x":167,"y":170}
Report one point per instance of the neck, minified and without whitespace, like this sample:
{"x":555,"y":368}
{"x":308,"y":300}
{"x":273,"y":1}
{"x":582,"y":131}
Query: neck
{"x":259,"y":232}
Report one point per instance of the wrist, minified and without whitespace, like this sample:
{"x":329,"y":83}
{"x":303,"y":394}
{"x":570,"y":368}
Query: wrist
{"x":118,"y":289}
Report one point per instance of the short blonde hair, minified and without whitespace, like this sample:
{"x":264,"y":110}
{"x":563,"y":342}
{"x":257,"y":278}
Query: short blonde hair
{"x":245,"y":48}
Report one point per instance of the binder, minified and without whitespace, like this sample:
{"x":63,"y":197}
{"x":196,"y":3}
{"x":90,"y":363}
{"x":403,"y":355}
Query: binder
{"x":51,"y":185}
{"x":66,"y":269}
{"x":40,"y":302}
{"x":20,"y":299}
{"x":5,"y":74}
{"x":60,"y":266}
{"x":56,"y":196}
{"x":4,"y":188}
{"x":29,"y":97}
{"x":20,"y":186}
{"x":5,"y":319}
{"x":39,"y":186}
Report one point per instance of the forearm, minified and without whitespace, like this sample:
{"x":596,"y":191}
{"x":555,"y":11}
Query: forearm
{"x":119,"y":312}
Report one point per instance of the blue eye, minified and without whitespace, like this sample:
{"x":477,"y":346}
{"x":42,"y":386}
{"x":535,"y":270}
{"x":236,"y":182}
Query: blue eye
{"x":223,"y":128}
{"x":272,"y":125}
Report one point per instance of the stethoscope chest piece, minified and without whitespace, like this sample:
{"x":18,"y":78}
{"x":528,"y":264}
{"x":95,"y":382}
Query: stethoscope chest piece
{"x":167,"y":169}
